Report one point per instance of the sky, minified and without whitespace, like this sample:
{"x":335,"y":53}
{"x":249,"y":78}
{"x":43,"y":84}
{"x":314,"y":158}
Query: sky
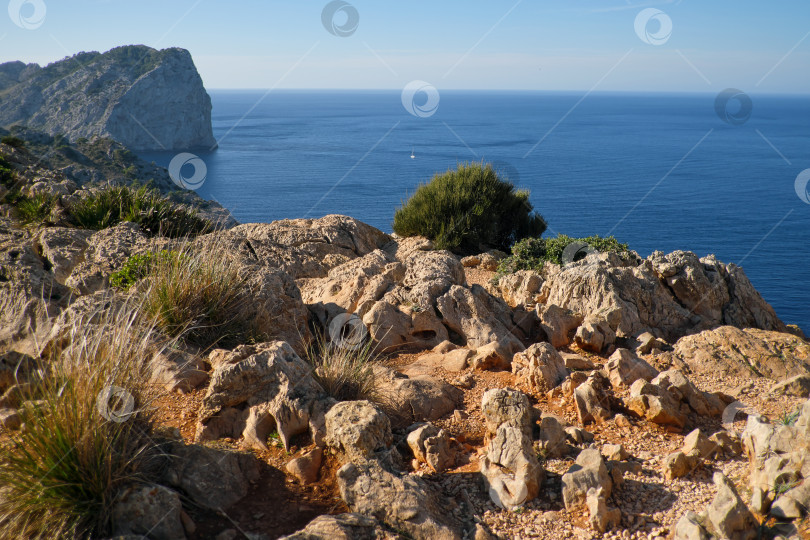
{"x":558,"y":45}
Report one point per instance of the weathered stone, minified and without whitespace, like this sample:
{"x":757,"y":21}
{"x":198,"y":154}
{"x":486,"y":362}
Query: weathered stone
{"x":614,"y":452}
{"x":594,"y":335}
{"x":798,"y":386}
{"x":149,"y":510}
{"x":510,"y":468}
{"x":552,"y":439}
{"x":602,"y":518}
{"x":577,"y":362}
{"x":682,"y":389}
{"x":678,"y":464}
{"x":10,"y":419}
{"x":475,"y":314}
{"x":406,"y":503}
{"x":689,"y":528}
{"x":696,"y":444}
{"x":214,"y":479}
{"x":502,"y":406}
{"x":305,"y":467}
{"x":521,"y":288}
{"x":589,"y":471}
{"x":415,"y":399}
{"x":540,"y":366}
{"x":592,"y":400}
{"x":793,"y":504}
{"x":431,"y":445}
{"x":490,"y":357}
{"x":274,"y":384}
{"x":624,"y":368}
{"x":728,"y":514}
{"x":648,"y":342}
{"x":558,"y":323}
{"x":63,"y":248}
{"x":359,"y":429}
{"x":655,"y":404}
{"x":348,"y":526}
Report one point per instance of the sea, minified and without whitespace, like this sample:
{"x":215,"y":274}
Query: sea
{"x":709,"y":173}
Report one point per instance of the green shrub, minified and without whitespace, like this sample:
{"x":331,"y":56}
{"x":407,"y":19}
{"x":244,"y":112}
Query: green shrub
{"x":137,"y":267}
{"x":532,"y":253}
{"x":13,"y":141}
{"x":7,"y":176}
{"x":33,"y":210}
{"x":155,"y":214}
{"x":468,"y":210}
{"x":199,"y":294}
{"x":60,"y":475}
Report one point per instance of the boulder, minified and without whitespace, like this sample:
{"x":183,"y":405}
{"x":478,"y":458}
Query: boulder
{"x":690,"y":528}
{"x":678,"y":464}
{"x":594,"y":335}
{"x":415,"y":399}
{"x":274,"y":386}
{"x":602,"y":518}
{"x":614,"y":452}
{"x":552,"y":438}
{"x":492,"y":356}
{"x":358,"y":429}
{"x":589,"y":471}
{"x":63,"y":248}
{"x":348,"y":526}
{"x":213,"y":478}
{"x":540,"y":367}
{"x":575,"y":361}
{"x":592,"y":399}
{"x":648,"y":342}
{"x":431,"y":445}
{"x":149,"y":510}
{"x":405,"y":503}
{"x":624,"y":368}
{"x":479,"y":318}
{"x":655,"y":404}
{"x":558,"y":323}
{"x":698,"y":445}
{"x":682,"y":390}
{"x":510,"y":468}
{"x":728,"y":514}
{"x":506,"y":407}
{"x":793,"y":504}
{"x":306,"y":466}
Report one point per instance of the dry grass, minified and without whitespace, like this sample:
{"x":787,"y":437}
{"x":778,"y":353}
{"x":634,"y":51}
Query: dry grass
{"x":345,"y":373}
{"x":200,"y":295}
{"x":61,"y":473}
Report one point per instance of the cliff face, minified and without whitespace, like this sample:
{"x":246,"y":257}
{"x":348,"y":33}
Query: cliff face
{"x":144,"y":98}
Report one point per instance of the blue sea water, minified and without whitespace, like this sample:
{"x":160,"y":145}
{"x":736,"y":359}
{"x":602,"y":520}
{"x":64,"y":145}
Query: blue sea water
{"x":660,"y":172}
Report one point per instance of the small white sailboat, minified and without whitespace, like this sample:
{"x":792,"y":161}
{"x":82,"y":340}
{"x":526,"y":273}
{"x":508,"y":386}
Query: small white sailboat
{"x":412,"y":155}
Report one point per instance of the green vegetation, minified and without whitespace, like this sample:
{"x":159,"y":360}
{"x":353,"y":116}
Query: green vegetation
{"x":199,"y":295}
{"x":7,"y":176}
{"x":346,"y":373}
{"x":33,"y":210}
{"x":789,"y":418}
{"x":468,"y":210}
{"x":138,"y":267}
{"x":155,"y":214}
{"x":13,"y":141}
{"x":81,"y":443}
{"x":532,"y":253}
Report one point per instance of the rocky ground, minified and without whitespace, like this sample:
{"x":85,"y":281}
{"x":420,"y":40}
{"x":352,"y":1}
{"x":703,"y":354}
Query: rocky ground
{"x":615,"y":397}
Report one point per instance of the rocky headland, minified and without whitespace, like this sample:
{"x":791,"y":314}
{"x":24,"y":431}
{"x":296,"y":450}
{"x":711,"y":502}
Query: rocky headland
{"x":141,"y":97}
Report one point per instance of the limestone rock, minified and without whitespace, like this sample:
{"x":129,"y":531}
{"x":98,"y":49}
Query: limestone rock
{"x":540,"y":366}
{"x":214,"y":479}
{"x":156,"y":104}
{"x":348,"y":526}
{"x":798,"y":386}
{"x":415,"y":399}
{"x":501,"y":406}
{"x":793,"y":504}
{"x":406,"y":503}
{"x":431,"y":445}
{"x":558,"y":323}
{"x":359,"y":429}
{"x":491,"y":356}
{"x":678,"y":464}
{"x":552,"y":439}
{"x":577,"y":362}
{"x":595,"y":334}
{"x":510,"y":468}
{"x":151,"y":510}
{"x":689,"y":528}
{"x":614,"y":452}
{"x":728,"y":514}
{"x":602,"y":518}
{"x":305,"y":467}
{"x":275,"y":386}
{"x":589,"y":471}
{"x":63,"y":248}
{"x":624,"y":368}
{"x":521,"y":288}
{"x":682,"y":389}
{"x":10,"y":419}
{"x":655,"y":404}
{"x":698,"y":445}
{"x":749,"y":352}
{"x":592,"y":399}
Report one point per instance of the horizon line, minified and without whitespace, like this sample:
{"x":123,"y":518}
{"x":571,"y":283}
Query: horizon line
{"x":510,"y":90}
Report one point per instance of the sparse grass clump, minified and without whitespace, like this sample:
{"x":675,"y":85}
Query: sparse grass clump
{"x":33,"y":210}
{"x":533,"y":253}
{"x":137,"y":267}
{"x":469,"y":210}
{"x":147,"y":207}
{"x":345,"y":372}
{"x":14,"y":142}
{"x":198,"y":294}
{"x":81,"y":443}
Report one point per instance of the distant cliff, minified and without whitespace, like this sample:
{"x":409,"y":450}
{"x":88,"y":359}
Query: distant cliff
{"x":144,"y":98}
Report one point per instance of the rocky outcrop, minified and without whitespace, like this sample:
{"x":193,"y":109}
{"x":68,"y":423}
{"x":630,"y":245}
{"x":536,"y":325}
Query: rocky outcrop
{"x":743,"y":352}
{"x":669,"y":295}
{"x":144,"y":98}
{"x":540,"y":366}
{"x":349,"y":526}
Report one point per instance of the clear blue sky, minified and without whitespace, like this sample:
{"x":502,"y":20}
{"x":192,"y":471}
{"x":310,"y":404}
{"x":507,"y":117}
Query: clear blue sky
{"x":754,"y":45}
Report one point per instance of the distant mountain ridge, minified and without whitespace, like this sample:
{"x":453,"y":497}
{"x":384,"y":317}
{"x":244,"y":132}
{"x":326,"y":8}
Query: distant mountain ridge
{"x":144,"y":98}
